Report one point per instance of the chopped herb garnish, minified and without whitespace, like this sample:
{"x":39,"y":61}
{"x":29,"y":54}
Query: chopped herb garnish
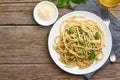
{"x":86,"y":42}
{"x":67,"y":41}
{"x":71,"y":31}
{"x":71,"y":58}
{"x":83,"y":43}
{"x":97,"y":35}
{"x":92,"y":55}
{"x":86,"y":33}
{"x":93,"y":46}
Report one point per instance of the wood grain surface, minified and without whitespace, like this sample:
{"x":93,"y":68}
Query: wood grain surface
{"x":23,"y":46}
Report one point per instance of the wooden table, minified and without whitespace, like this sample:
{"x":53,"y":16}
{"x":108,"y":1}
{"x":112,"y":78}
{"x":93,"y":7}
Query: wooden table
{"x":23,"y":46}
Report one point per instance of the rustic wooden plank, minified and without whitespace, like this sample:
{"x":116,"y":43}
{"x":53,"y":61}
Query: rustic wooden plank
{"x":51,"y":72}
{"x":34,"y":72}
{"x":25,"y":44}
{"x":22,"y":17}
{"x":16,"y":1}
{"x":20,"y":12}
{"x":108,"y":73}
{"x":116,"y":8}
{"x":116,"y":14}
{"x":29,"y":6}
{"x":23,"y":7}
{"x":18,"y":18}
{"x":118,"y":60}
{"x":17,"y":7}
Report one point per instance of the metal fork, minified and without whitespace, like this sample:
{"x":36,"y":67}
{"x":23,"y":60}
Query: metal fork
{"x":105,"y":17}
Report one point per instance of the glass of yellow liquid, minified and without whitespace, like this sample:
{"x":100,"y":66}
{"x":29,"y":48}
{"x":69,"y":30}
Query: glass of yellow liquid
{"x":109,"y":3}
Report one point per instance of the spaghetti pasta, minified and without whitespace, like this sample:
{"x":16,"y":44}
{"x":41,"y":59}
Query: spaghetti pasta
{"x":80,"y":42}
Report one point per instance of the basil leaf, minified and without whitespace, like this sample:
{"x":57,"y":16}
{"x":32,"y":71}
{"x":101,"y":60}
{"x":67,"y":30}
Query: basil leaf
{"x":83,"y":43}
{"x":69,"y":3}
{"x":92,"y":55}
{"x":61,"y":3}
{"x":97,"y":35}
{"x":51,"y":0}
{"x":78,"y":1}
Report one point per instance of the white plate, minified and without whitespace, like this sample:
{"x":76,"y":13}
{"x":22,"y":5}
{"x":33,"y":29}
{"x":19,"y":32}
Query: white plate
{"x":55,"y":32}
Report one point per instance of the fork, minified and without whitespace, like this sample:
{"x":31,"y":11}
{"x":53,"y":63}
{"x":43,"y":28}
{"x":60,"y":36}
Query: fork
{"x":105,"y":18}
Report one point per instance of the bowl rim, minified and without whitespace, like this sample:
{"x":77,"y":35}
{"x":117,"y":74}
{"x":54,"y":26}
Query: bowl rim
{"x":48,"y":22}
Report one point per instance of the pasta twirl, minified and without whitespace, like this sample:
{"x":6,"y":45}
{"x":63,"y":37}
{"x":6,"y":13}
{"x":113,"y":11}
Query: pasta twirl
{"x":80,"y":42}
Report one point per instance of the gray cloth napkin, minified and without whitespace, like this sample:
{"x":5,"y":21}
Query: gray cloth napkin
{"x":94,"y":7}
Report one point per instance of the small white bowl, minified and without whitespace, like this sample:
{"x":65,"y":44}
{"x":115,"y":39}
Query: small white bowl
{"x":41,"y":21}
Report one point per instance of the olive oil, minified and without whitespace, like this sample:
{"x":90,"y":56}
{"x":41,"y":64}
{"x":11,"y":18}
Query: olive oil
{"x":109,"y":3}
